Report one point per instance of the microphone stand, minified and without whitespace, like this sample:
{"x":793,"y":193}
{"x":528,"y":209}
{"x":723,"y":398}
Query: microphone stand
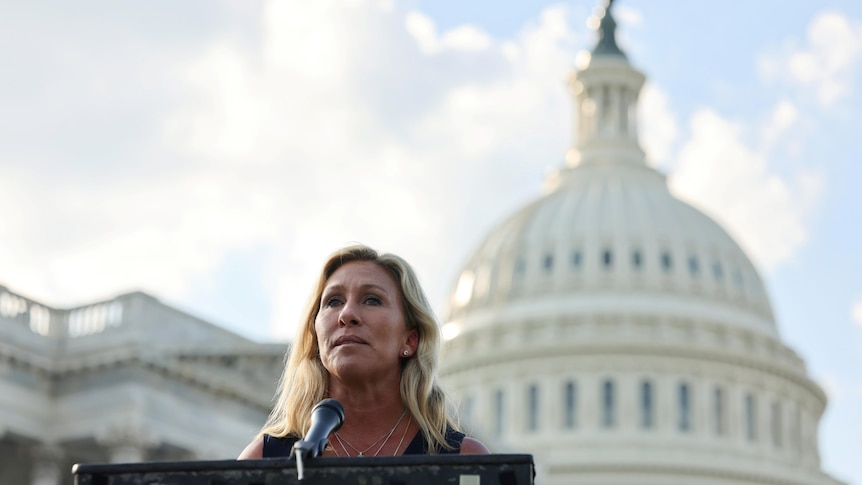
{"x":326,"y":417}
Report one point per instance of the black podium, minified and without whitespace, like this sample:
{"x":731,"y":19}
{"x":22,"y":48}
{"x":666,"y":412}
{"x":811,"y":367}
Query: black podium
{"x":391,"y":470}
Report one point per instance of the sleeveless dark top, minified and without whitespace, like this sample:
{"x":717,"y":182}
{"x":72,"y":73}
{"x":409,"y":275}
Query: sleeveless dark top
{"x":281,"y":447}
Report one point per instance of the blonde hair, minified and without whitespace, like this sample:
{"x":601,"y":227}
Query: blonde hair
{"x":304,"y":380}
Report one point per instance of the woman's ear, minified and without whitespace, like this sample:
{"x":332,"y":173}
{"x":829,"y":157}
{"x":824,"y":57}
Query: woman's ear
{"x":412,"y":343}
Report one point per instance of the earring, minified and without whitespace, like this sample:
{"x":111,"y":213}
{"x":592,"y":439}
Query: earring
{"x":406,"y":353}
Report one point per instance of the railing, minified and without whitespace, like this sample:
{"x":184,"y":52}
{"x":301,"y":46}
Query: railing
{"x":92,"y":319}
{"x":45,"y":321}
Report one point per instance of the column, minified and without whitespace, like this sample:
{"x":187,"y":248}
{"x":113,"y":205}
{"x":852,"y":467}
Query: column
{"x":126,"y":443}
{"x":47,"y":465}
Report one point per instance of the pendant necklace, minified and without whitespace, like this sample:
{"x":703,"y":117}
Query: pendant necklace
{"x":342,"y":441}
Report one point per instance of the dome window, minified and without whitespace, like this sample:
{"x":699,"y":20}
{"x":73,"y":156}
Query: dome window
{"x":776,"y":424}
{"x":607,"y":259}
{"x":795,"y":431}
{"x":608,"y":414}
{"x":570,"y":416}
{"x":750,"y":418}
{"x":499,"y":411}
{"x":577,"y":259}
{"x":467,"y":411}
{"x":737,"y":278}
{"x":693,"y":266}
{"x":533,"y":408}
{"x":647,"y":408}
{"x":684,"y":408}
{"x":717,"y":271}
{"x":718,"y":419}
{"x":520,"y":268}
{"x":548,"y":262}
{"x":637,"y":259}
{"x":666,"y":262}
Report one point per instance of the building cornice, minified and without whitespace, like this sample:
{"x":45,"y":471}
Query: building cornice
{"x":170,"y":362}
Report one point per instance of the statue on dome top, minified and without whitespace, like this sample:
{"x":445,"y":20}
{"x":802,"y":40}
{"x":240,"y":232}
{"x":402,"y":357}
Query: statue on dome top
{"x":607,"y":27}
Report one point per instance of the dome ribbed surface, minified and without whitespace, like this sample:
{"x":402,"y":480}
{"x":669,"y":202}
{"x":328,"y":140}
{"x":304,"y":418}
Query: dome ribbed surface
{"x":606,"y":230}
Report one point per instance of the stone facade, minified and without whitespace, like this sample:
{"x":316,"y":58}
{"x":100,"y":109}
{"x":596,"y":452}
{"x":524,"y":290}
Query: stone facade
{"x":129,"y":379}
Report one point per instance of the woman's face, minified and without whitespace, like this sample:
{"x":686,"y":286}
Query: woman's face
{"x":360,"y":325}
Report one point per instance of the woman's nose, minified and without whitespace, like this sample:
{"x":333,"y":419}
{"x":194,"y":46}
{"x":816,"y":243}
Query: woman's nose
{"x":349,"y":314}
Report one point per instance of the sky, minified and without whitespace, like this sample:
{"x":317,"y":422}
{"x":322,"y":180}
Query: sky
{"x":213,"y":153}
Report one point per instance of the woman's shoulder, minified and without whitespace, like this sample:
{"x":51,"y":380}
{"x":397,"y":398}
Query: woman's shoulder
{"x":460,"y":443}
{"x":253,"y":451}
{"x":472,"y":446}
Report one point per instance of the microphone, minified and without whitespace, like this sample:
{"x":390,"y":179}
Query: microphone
{"x":326,"y":417}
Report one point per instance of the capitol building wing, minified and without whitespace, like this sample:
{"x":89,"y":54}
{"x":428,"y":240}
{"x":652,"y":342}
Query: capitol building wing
{"x":619,"y":334}
{"x":125,"y":380}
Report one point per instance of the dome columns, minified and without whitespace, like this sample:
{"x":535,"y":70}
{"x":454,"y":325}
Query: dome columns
{"x":605,"y":98}
{"x":605,"y":94}
{"x":717,"y":429}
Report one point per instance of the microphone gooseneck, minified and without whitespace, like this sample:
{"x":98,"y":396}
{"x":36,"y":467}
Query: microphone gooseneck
{"x":326,"y":417}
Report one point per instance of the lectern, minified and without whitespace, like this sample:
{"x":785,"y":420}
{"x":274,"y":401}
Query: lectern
{"x":390,"y":470}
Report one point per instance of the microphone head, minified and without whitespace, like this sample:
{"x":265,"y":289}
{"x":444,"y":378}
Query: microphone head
{"x":327,"y":416}
{"x":334,"y":406}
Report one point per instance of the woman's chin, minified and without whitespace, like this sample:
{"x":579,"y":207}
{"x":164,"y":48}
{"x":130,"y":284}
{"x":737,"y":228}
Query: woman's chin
{"x":349,"y":366}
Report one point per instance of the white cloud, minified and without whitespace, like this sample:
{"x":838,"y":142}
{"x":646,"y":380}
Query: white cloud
{"x":718,"y":171}
{"x":731,"y":170}
{"x":332,"y":126}
{"x":465,"y":38}
{"x":784,"y":115}
{"x":833,"y":387}
{"x":829,"y":61}
{"x":337,"y":124}
{"x":423,"y":30}
{"x":629,"y":19}
{"x":627,"y":15}
{"x":657,"y":126}
{"x":856,"y":312}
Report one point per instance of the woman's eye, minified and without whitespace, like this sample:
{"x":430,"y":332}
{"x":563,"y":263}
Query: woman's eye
{"x":373,"y":300}
{"x":332,"y":302}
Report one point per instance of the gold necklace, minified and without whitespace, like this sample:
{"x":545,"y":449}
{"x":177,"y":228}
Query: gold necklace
{"x":342,"y":441}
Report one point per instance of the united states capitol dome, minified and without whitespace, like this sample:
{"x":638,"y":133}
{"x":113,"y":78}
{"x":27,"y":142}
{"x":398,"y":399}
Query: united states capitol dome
{"x":619,"y":334}
{"x":605,"y":228}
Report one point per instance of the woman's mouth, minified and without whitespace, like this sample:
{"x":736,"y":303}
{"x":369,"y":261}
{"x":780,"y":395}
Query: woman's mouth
{"x":349,"y":340}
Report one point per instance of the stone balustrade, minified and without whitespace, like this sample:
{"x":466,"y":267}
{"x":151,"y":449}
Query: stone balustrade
{"x":17,"y":311}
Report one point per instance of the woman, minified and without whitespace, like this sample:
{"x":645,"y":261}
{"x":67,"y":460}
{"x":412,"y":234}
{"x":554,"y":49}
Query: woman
{"x":369,"y":339}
